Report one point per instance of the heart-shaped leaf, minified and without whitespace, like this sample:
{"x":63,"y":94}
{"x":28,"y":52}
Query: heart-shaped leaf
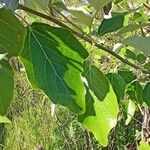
{"x":53,"y":60}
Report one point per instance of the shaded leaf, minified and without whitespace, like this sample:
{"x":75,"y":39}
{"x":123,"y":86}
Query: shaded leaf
{"x":12,"y":33}
{"x":98,"y":4}
{"x":147,"y":66}
{"x":128,"y":76}
{"x":131,"y":28}
{"x":138,"y":91}
{"x":118,"y":84}
{"x":101,"y":114}
{"x":53,"y":60}
{"x":111,"y":25}
{"x":81,"y":16}
{"x":95,"y":82}
{"x":141,"y":58}
{"x":130,"y":54}
{"x":6,"y":86}
{"x":146,"y":94}
{"x":139,"y":43}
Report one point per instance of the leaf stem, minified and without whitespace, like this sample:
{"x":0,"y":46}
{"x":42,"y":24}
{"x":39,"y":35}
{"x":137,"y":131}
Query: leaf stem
{"x":84,"y":37}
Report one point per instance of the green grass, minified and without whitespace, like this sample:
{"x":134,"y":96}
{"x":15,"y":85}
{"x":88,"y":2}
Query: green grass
{"x":33,"y":126}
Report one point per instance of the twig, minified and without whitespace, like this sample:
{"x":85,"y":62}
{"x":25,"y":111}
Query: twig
{"x":146,"y":6}
{"x":132,"y":116}
{"x":84,"y":37}
{"x":52,"y":7}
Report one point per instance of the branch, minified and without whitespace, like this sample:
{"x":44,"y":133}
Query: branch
{"x":84,"y":37}
{"x":74,"y":25}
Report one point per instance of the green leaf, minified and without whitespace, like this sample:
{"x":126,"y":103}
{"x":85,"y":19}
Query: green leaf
{"x":81,"y":16}
{"x":144,"y":146}
{"x":53,"y":60}
{"x":146,"y":94}
{"x":131,"y":28}
{"x":138,"y":90}
{"x":111,"y":25}
{"x":118,"y":84}
{"x":139,"y":43}
{"x":101,"y":105}
{"x":59,"y":4}
{"x":130,"y":54}
{"x":97,"y":83}
{"x":4,"y":119}
{"x":37,"y":4}
{"x":130,"y":112}
{"x":128,"y":76}
{"x":141,"y":58}
{"x":140,"y":17}
{"x":6,"y":86}
{"x":147,"y":66}
{"x":98,"y":4}
{"x":139,"y":1}
{"x":117,"y":1}
{"x":12,"y":33}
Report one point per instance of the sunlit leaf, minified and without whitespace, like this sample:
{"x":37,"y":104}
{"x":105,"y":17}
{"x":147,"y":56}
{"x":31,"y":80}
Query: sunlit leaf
{"x":130,"y":112}
{"x":101,"y":105}
{"x":4,"y":119}
{"x":144,"y":146}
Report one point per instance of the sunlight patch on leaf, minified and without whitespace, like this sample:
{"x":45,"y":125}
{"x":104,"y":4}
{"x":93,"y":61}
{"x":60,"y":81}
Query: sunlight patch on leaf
{"x":53,"y":60}
{"x":101,"y":105}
